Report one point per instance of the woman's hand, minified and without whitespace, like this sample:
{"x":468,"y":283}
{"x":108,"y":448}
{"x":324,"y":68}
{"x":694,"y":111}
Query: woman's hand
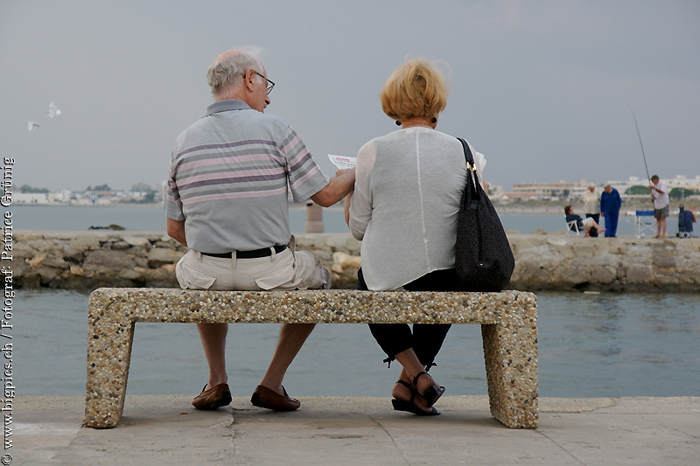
{"x":342,"y":171}
{"x":348,"y":201}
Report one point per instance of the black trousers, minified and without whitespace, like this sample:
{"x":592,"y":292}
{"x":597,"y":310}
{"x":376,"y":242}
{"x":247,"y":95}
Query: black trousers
{"x":426,"y":339}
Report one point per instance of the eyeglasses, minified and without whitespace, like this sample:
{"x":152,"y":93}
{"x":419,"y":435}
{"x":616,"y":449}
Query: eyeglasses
{"x":270,"y":84}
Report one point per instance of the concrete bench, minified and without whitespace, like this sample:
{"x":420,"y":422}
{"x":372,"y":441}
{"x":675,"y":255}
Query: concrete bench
{"x":508,"y":324}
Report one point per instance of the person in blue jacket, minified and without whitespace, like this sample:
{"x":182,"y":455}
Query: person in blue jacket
{"x":610,"y":203}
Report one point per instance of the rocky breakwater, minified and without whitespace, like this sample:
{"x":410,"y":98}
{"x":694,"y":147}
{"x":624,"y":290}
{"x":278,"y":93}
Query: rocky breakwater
{"x":88,"y":260}
{"x":563,"y":263}
{"x":93,"y":259}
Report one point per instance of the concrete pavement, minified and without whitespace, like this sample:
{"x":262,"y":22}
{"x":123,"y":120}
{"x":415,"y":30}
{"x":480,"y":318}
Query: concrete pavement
{"x":166,"y":430}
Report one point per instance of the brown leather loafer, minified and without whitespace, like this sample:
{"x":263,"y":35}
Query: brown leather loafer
{"x":266,"y":398}
{"x":216,"y":396}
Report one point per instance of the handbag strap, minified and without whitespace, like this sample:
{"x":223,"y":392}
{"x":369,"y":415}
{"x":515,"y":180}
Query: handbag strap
{"x":472,"y":177}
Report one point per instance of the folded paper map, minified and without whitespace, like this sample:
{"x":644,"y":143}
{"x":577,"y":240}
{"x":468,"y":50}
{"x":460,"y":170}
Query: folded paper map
{"x":343,"y":162}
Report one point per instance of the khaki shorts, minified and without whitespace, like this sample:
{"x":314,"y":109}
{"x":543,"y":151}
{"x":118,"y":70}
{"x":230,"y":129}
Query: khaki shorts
{"x":287,"y":270}
{"x":661,"y":213}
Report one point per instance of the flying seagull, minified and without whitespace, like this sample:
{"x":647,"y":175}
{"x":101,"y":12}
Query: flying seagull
{"x":31,"y":126}
{"x":53,"y":111}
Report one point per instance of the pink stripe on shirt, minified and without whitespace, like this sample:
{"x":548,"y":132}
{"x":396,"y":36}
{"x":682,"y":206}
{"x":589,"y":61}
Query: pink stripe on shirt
{"x":225,"y":160}
{"x":291,"y":144}
{"x":305,"y":177}
{"x":230,"y":174}
{"x":213,"y":197}
{"x":171,"y":198}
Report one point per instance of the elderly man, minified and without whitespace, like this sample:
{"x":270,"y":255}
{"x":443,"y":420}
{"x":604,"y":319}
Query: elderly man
{"x":610,"y":203}
{"x":659,"y":194}
{"x":591,"y":201}
{"x":227,"y":201}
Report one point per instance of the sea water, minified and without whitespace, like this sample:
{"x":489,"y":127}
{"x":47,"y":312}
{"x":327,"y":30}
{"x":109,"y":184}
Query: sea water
{"x":590,"y":345}
{"x":152,"y":218}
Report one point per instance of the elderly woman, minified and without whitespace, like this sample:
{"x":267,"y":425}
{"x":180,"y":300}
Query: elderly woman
{"x":581,"y":223}
{"x":404,"y":209}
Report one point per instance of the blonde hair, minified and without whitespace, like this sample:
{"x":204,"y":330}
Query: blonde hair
{"x":416,"y":88}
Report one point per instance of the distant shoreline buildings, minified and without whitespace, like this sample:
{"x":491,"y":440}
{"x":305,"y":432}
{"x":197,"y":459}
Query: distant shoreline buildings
{"x":86,"y":198}
{"x":576,"y":189}
{"x":89,"y":197}
{"x":543,"y":191}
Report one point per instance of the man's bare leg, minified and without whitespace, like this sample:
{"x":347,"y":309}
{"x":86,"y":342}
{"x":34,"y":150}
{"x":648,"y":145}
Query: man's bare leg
{"x":213,"y":338}
{"x":292,"y":338}
{"x":663,"y":223}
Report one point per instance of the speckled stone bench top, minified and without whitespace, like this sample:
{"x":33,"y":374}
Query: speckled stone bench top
{"x":508,"y":319}
{"x":312,"y":306}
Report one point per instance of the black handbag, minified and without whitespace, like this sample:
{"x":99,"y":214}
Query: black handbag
{"x":483,"y":258}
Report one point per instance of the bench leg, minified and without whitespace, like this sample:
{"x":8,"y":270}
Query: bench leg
{"x":510,"y":352}
{"x":109,"y":353}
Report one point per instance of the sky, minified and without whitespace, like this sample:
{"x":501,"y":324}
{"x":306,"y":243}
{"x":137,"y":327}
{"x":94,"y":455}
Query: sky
{"x":543,"y":89}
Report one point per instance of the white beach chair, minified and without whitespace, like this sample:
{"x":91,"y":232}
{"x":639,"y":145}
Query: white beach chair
{"x":572,"y":228}
{"x":644,"y":222}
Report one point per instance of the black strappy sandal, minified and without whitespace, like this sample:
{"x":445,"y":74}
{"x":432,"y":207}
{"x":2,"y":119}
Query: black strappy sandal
{"x":432,"y":394}
{"x":410,"y":406}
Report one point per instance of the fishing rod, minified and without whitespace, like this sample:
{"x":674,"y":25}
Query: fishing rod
{"x":641,"y":145}
{"x":643,"y":155}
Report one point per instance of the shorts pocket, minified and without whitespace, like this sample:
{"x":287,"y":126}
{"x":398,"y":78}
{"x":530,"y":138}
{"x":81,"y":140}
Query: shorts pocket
{"x":190,"y":278}
{"x":281,"y":274}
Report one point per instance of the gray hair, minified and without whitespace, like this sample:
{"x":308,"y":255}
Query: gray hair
{"x":230,"y":67}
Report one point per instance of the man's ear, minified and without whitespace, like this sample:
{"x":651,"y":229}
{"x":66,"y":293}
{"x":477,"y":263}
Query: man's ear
{"x":248,"y":80}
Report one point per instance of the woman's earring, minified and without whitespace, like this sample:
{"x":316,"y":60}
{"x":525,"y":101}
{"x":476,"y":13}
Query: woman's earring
{"x":398,"y":122}
{"x":434,"y":120}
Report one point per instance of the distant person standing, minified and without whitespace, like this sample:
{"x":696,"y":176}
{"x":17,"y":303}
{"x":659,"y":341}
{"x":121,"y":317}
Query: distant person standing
{"x":610,"y":203}
{"x":659,"y":194}
{"x":591,"y":200}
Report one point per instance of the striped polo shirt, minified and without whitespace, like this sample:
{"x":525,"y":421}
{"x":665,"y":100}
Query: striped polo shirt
{"x":230,"y":175}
